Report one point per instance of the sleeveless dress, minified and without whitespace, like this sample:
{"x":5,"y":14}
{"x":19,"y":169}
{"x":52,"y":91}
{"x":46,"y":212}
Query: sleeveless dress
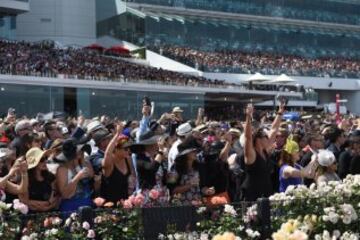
{"x":115,"y":187}
{"x":81,"y":198}
{"x":285,"y":182}
{"x":257,"y":183}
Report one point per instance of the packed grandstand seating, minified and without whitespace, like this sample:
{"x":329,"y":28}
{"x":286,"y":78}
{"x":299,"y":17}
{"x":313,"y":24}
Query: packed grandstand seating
{"x":38,"y":59}
{"x":266,"y":63}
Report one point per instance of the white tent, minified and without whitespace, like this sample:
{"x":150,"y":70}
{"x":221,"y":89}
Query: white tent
{"x":282,"y":79}
{"x":257,"y":77}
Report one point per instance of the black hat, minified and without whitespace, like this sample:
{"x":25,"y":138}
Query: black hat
{"x":149,"y":138}
{"x":146,"y":139}
{"x":68,"y":152}
{"x":187,"y":146}
{"x":100,"y":135}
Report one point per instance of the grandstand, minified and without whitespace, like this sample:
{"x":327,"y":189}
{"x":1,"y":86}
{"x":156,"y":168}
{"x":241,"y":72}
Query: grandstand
{"x":199,"y":54}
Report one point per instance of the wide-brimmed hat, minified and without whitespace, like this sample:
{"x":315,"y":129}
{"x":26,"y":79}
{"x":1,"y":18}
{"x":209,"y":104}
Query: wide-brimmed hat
{"x":149,"y":138}
{"x":70,"y":148}
{"x":184,"y":129}
{"x":94,"y":126}
{"x":101,"y":135}
{"x":177,"y":110}
{"x":200,"y":128}
{"x":325,"y":158}
{"x":186,"y":151}
{"x":68,"y":151}
{"x":33,"y":157}
{"x":235,"y":131}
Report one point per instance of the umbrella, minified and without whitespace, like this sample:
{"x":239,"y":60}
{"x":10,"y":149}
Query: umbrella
{"x":283,"y":78}
{"x":95,"y":46}
{"x":257,"y":77}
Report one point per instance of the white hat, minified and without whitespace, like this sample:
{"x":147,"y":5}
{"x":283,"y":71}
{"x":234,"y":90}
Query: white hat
{"x":325,"y":158}
{"x":93,"y":126}
{"x":184,"y":129}
{"x":21,"y":125}
{"x":177,"y":109}
{"x":33,"y":121}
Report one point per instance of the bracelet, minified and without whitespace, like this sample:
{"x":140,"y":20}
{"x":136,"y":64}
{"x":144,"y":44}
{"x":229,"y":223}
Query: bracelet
{"x":279,"y":113}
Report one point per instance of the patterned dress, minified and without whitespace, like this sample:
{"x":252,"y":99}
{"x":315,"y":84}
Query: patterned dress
{"x":193,"y":195}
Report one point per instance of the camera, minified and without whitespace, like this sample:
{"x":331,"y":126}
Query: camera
{"x":282,"y":99}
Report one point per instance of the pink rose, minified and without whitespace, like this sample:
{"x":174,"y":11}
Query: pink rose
{"x":154,"y":194}
{"x":99,"y":202}
{"x":20,"y":207}
{"x":86,"y":225}
{"x":139,"y":200}
{"x":47,"y":222}
{"x":127,"y":204}
{"x":132,"y":199}
{"x":91,"y":234}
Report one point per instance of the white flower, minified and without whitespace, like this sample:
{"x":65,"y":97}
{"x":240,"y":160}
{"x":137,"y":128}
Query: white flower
{"x":326,"y":218}
{"x":54,"y":231}
{"x":125,"y":229}
{"x":47,"y":233}
{"x":73,"y":216}
{"x":91,"y":234}
{"x":33,"y":236}
{"x":201,"y":210}
{"x":333,"y":217}
{"x":204,"y":236}
{"x":68,"y":222}
{"x":56,"y":221}
{"x":177,"y":236}
{"x":346,"y":220}
{"x":25,"y":238}
{"x":251,"y":233}
{"x":86,"y":225}
{"x":230,"y":210}
{"x":198,"y":224}
{"x":336,"y":233}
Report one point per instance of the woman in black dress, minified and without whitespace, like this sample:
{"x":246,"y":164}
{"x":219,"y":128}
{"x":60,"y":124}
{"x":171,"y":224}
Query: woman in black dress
{"x":258,"y":166}
{"x":117,"y":169}
{"x":41,"y":195}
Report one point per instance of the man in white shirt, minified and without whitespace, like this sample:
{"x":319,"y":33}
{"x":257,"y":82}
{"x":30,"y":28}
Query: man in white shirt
{"x":183,"y":131}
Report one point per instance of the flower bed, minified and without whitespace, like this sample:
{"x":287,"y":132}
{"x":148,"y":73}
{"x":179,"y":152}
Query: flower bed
{"x":329,"y":211}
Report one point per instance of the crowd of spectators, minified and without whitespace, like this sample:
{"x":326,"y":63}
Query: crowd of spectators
{"x":62,"y":164}
{"x":233,"y":61}
{"x":39,"y":59}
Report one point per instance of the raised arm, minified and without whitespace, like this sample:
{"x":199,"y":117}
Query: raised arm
{"x":276,"y":123}
{"x":107,"y":162}
{"x":24,"y":184}
{"x":249,"y":151}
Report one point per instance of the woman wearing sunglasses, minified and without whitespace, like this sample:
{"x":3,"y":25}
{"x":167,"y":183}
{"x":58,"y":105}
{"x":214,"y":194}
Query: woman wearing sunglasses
{"x":117,"y":169}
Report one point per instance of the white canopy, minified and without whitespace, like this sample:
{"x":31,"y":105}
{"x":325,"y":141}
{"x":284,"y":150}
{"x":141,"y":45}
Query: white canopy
{"x":283,"y":78}
{"x":257,"y":77}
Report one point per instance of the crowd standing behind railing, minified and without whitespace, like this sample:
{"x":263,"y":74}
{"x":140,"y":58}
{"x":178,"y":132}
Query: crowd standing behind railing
{"x":64,"y":164}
